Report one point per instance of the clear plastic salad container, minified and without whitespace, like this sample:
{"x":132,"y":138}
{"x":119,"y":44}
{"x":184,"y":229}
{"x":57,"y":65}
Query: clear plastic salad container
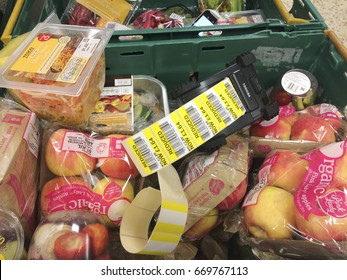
{"x":113,"y":113}
{"x":58,"y":72}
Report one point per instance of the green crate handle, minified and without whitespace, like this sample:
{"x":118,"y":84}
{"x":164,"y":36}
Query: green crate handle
{"x":288,"y":17}
{"x":341,"y":48}
{"x":6,"y":35}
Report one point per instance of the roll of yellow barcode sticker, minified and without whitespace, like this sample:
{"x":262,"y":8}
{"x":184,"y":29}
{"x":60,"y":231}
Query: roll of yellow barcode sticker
{"x":185,"y":129}
{"x":172,"y":204}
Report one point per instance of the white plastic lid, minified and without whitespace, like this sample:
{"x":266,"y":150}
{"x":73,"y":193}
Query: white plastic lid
{"x":64,"y":55}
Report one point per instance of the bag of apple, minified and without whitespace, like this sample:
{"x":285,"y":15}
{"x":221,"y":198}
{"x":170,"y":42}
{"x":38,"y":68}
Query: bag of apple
{"x":298,"y":130}
{"x":86,"y":171}
{"x":214,"y":183}
{"x":298,"y":209}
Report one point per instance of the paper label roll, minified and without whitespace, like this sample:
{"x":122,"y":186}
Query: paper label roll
{"x":170,"y":224}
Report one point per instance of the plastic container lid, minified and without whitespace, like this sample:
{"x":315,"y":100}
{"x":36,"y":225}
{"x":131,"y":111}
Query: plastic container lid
{"x":11,"y":236}
{"x":63,"y":54}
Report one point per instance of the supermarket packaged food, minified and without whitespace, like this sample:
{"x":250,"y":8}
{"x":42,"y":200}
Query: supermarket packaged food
{"x":299,"y":130}
{"x":297,"y":206}
{"x":19,"y":165}
{"x":214,"y":183}
{"x":58,"y":71}
{"x":70,"y":235}
{"x":128,"y":104}
{"x":85,"y":170}
{"x":11,"y":235}
{"x":88,"y":13}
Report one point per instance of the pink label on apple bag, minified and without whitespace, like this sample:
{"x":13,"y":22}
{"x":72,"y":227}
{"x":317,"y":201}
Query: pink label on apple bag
{"x":312,"y":196}
{"x":94,"y":147}
{"x":284,"y":111}
{"x":80,"y":197}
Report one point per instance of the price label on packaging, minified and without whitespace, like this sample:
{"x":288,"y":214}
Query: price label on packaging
{"x":109,"y":10}
{"x":185,"y":129}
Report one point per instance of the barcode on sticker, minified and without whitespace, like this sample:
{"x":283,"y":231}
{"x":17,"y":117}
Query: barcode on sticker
{"x":295,"y":87}
{"x":185,"y":129}
{"x":219,"y":106}
{"x":198,"y":122}
{"x":146,"y":152}
{"x":237,"y":103}
{"x":172,"y":137}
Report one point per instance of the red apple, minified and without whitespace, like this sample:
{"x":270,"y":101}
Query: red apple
{"x":54,"y":196}
{"x":99,"y":238}
{"x":328,"y":112}
{"x":314,"y":129}
{"x":72,"y":246}
{"x":235,"y":197}
{"x":278,"y":127}
{"x":66,"y":163}
{"x":287,"y":170}
{"x":281,"y":97}
{"x":119,"y":166}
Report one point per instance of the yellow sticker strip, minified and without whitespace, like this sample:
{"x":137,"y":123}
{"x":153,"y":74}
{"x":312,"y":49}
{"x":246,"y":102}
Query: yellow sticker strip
{"x":185,"y":129}
{"x":171,"y":220}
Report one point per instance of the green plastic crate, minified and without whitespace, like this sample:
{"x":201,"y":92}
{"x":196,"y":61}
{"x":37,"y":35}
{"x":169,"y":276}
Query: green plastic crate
{"x":303,"y":10}
{"x":173,"y":57}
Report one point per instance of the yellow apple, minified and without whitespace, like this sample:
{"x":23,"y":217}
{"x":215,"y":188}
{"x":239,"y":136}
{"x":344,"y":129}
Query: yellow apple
{"x":272,"y":217}
{"x":203,"y":226}
{"x":288,"y":170}
{"x":119,"y":193}
{"x":326,"y":225}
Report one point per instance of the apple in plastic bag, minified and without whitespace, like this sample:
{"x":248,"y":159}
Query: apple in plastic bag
{"x":330,"y":224}
{"x":51,"y":201}
{"x":98,"y":239}
{"x":279,"y":127}
{"x":119,"y":166}
{"x":272,"y":217}
{"x":203,"y":226}
{"x":121,"y":192}
{"x":287,"y":170}
{"x":314,"y":129}
{"x":235,"y":197}
{"x":66,"y":163}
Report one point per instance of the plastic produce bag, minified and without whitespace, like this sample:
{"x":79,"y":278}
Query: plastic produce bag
{"x":85,"y":171}
{"x":20,"y":132}
{"x":298,"y":207}
{"x":214,"y":184}
{"x":298,"y":130}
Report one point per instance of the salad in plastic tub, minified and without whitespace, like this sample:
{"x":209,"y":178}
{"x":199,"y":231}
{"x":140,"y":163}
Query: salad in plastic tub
{"x":70,"y":235}
{"x":11,"y":236}
{"x":129,"y":104}
{"x":58,"y":72}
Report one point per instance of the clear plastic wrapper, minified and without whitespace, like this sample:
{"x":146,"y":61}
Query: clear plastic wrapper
{"x":20,"y":134}
{"x":249,"y":16}
{"x":223,"y":5}
{"x":128,"y":104}
{"x":297,"y":208}
{"x":79,"y":14}
{"x":298,"y":130}
{"x":70,"y":235}
{"x":152,"y":19}
{"x":11,"y":236}
{"x":214,"y":184}
{"x":85,"y":171}
{"x":58,"y":71}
